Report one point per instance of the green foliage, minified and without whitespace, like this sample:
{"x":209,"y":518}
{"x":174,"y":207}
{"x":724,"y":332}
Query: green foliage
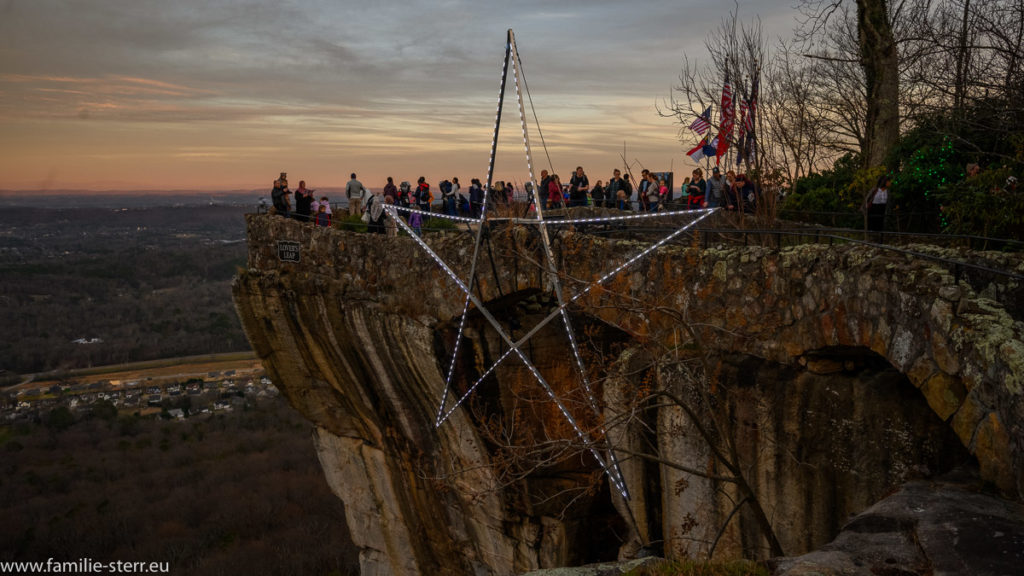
{"x":104,"y":410}
{"x":933,"y":177}
{"x":832,"y":197}
{"x":60,"y":418}
{"x":694,"y":568}
{"x":352,"y":223}
{"x":6,"y":433}
{"x":930,"y":162}
{"x":440,"y":224}
{"x":980,"y":206}
{"x":129,"y":425}
{"x":100,"y":495}
{"x":930,"y":190}
{"x":864,"y":180}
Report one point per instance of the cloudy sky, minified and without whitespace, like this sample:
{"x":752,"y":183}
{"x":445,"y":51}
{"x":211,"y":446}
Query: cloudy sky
{"x":224,"y":94}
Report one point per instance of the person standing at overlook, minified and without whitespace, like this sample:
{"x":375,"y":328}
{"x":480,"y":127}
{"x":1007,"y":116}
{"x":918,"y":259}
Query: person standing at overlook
{"x":375,"y":209}
{"x":390,"y":226}
{"x":390,"y":190}
{"x":731,"y":191}
{"x":542,"y":188}
{"x":555,"y":197}
{"x":641,"y":190}
{"x":423,"y":196}
{"x":611,"y":191}
{"x":697,"y":188}
{"x":476,"y":197}
{"x":627,"y":192}
{"x":355,"y":191}
{"x":303,"y":202}
{"x":279,"y":196}
{"x":321,"y":217}
{"x":715,"y":191}
{"x":579,"y":184}
{"x":597,"y":195}
{"x":653,"y":192}
{"x":876,"y":203}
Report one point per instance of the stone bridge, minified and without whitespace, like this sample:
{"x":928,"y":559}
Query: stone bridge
{"x":353,"y":333}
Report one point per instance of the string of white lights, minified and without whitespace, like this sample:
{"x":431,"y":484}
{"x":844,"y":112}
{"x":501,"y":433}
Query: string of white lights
{"x":479,"y":235}
{"x":439,"y":215}
{"x":557,"y":311}
{"x":438,"y":420}
{"x":614,"y":470}
{"x":546,"y":240}
{"x":611,"y":467}
{"x":587,"y":442}
{"x":511,"y":57}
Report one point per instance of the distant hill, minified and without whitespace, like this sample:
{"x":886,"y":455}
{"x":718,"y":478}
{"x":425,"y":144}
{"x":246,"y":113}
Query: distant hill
{"x":75,"y":198}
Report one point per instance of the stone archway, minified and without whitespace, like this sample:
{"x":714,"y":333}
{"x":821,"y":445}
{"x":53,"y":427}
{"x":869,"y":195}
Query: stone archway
{"x":348,"y":334}
{"x":962,"y":350}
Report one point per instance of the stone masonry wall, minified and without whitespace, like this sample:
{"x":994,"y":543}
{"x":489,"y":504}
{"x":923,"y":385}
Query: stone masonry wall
{"x":347,"y":332}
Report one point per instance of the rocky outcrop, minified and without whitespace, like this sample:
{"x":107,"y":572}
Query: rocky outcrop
{"x":849,"y":369}
{"x":947,"y":526}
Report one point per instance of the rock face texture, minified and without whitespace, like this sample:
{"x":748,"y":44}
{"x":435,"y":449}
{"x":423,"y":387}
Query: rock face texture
{"x":947,"y":526}
{"x":841,"y":371}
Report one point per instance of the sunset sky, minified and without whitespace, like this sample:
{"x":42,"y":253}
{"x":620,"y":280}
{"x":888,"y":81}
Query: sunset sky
{"x":225,"y":94}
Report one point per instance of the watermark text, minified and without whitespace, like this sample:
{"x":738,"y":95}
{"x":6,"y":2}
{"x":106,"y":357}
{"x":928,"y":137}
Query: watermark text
{"x":84,"y":566}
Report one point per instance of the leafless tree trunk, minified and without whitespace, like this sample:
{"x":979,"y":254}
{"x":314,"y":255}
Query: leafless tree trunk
{"x":880,"y":63}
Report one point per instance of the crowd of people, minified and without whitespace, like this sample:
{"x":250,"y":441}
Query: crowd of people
{"x":307,"y":207}
{"x":652,"y":192}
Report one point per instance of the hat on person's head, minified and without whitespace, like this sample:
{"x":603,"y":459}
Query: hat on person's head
{"x":284,"y":174}
{"x":715,"y":169}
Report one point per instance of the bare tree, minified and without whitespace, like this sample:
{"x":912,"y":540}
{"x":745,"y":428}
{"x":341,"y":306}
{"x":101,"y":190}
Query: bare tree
{"x":737,"y":51}
{"x":864,"y":36}
{"x":801,"y":130}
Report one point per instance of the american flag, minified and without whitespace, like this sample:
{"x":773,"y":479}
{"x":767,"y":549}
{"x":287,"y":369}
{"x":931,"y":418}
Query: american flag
{"x":751,"y":105}
{"x":750,"y":145}
{"x":742,"y":139}
{"x":702,"y":123}
{"x":728,"y":117}
{"x":746,"y":122}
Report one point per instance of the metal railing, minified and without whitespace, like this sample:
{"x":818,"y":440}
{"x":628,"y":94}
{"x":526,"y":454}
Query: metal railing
{"x":776,"y":238}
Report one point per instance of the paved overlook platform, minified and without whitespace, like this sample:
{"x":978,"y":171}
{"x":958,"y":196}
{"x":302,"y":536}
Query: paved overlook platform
{"x":319,"y":305}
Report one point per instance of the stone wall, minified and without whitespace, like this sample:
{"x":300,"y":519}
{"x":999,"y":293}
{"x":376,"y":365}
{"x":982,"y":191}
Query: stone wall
{"x":356,"y":333}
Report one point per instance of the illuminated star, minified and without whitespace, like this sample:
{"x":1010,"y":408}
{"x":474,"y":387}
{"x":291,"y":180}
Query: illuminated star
{"x":609,"y":465}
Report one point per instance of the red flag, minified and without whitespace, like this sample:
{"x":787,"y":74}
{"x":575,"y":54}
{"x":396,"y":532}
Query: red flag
{"x":728,"y":118}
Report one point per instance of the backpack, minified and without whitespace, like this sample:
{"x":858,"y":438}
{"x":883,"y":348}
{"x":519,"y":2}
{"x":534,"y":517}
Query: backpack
{"x":403,"y":193}
{"x":423,"y":195}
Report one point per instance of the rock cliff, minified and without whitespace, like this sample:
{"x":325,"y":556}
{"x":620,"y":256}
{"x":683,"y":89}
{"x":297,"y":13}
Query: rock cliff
{"x":839,"y":373}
